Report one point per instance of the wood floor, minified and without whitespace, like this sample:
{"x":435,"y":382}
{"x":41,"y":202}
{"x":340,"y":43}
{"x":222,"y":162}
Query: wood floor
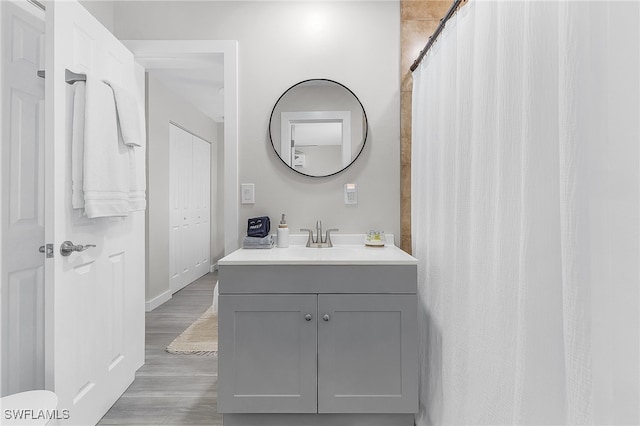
{"x":172,"y":389}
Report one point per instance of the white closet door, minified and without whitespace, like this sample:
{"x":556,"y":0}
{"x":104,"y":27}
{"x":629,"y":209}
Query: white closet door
{"x":180,"y":177}
{"x":190,"y":207}
{"x":175,"y":212}
{"x":201,"y":187}
{"x":206,"y":211}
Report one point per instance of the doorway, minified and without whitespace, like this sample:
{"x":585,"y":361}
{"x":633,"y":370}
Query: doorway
{"x":179,"y":64}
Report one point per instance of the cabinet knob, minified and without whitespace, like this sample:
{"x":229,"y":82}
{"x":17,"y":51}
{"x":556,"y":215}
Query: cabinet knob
{"x":326,"y":317}
{"x":308,"y":317}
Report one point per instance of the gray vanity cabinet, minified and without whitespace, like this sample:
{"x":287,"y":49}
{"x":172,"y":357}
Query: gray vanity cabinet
{"x":318,"y":337}
{"x":352,"y":353}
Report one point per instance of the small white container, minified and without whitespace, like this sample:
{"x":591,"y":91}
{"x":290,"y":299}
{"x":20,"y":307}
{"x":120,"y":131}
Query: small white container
{"x":283,"y":233}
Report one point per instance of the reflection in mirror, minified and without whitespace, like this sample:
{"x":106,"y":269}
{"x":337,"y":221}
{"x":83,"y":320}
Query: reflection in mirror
{"x":318,"y":127}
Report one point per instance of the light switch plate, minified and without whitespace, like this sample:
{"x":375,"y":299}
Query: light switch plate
{"x":350,"y":193}
{"x":247,"y":193}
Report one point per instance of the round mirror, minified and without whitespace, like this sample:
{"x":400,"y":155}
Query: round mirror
{"x":318,"y":127}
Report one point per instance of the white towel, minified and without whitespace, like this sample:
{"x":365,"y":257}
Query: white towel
{"x":130,"y":116}
{"x":132,"y":131}
{"x":77,"y":145}
{"x":106,"y":159}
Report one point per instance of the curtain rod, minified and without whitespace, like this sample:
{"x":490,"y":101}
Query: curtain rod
{"x":436,"y":33}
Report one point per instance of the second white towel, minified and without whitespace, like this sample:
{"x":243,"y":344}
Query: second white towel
{"x":130,"y":116}
{"x":106,"y":170}
{"x":77,"y":145}
{"x":132,"y":132}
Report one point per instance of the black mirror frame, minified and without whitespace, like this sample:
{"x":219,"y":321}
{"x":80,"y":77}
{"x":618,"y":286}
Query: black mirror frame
{"x":364,"y":139}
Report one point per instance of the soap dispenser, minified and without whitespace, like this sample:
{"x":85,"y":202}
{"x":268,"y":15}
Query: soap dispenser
{"x":283,"y":233}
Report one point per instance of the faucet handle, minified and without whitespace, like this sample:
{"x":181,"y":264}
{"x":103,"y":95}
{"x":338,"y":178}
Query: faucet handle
{"x":328,"y":237}
{"x":310,"y":240}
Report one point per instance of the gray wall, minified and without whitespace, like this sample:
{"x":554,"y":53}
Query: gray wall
{"x":281,"y":43}
{"x":102,"y":10}
{"x":164,"y":106}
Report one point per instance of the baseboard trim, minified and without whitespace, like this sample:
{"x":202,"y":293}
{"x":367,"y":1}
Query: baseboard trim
{"x":213,"y":268}
{"x":150,"y":305}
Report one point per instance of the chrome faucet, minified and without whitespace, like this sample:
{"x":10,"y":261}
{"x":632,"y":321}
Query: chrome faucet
{"x":318,"y":242}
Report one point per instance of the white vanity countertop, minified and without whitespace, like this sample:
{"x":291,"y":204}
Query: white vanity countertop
{"x":344,"y":252}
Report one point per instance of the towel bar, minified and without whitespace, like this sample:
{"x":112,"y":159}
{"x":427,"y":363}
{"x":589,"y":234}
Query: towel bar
{"x":69,"y":76}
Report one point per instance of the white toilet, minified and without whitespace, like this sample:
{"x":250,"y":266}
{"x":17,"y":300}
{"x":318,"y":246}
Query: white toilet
{"x":37,"y":408}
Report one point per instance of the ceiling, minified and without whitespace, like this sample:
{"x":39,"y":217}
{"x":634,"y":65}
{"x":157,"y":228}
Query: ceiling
{"x":198,"y":79}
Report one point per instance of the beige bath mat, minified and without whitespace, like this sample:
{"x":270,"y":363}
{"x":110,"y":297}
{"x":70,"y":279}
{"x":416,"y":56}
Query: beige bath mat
{"x":201,"y":338}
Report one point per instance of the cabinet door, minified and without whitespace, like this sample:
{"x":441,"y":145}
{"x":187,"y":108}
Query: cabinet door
{"x":367,"y":354}
{"x":267,"y":360}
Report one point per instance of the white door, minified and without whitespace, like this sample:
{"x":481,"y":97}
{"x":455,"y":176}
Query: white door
{"x":180,"y":196}
{"x":190,"y":177}
{"x":21,"y":209}
{"x":201,"y":206}
{"x":95,"y":298}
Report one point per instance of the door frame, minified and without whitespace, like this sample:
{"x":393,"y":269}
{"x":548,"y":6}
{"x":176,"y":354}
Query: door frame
{"x":146,"y":51}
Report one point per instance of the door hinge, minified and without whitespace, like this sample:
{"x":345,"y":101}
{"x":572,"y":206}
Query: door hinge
{"x":47,"y":249}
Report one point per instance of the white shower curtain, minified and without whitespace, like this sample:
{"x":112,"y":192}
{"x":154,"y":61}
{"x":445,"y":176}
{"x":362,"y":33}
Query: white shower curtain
{"x":525,"y":215}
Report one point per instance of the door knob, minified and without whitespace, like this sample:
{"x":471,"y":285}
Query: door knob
{"x":307,"y":317}
{"x":326,"y":317}
{"x":68,"y":247}
{"x":41,"y":249}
